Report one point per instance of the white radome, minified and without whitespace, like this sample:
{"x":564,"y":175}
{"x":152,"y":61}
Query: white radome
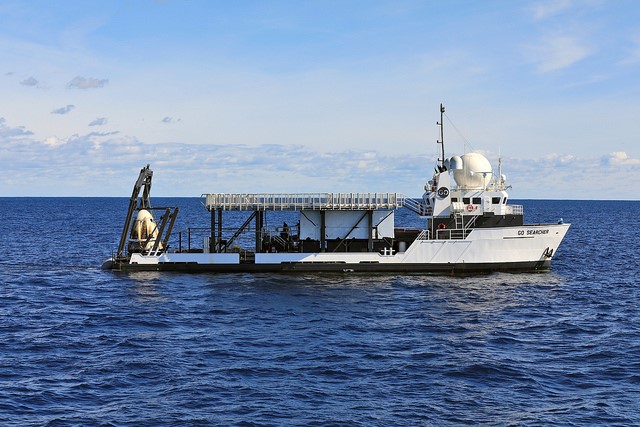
{"x":475,"y":174}
{"x":455,"y":163}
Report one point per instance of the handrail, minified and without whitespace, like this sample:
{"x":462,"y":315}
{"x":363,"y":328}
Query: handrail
{"x":417,"y":207}
{"x":424,"y":235}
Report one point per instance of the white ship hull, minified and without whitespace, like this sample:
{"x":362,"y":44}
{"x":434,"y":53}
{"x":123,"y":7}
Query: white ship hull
{"x":522,"y":248}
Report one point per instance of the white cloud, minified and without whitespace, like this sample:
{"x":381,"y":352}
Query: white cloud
{"x":63,"y":110}
{"x":557,"y":159}
{"x":620,"y":158}
{"x":8,"y":133}
{"x":550,"y":8}
{"x":168,"y":120}
{"x":189,"y":169}
{"x":568,"y":176}
{"x":99,"y":121}
{"x":54,"y":141}
{"x":87,"y":83}
{"x":633,"y":52}
{"x":30,"y":81}
{"x":556,"y":52}
{"x":108,"y":161}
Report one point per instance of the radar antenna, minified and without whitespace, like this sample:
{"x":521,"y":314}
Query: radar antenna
{"x":441,"y":140}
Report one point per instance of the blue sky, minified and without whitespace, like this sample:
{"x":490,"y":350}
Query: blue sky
{"x":291,"y":96}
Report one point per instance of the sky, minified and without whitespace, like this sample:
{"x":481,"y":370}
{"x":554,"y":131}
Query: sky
{"x":317,"y":96}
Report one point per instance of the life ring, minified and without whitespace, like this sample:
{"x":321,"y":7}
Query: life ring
{"x":470,"y":208}
{"x":441,"y":226}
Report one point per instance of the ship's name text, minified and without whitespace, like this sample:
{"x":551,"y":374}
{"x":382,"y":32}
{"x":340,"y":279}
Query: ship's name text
{"x":532,"y":232}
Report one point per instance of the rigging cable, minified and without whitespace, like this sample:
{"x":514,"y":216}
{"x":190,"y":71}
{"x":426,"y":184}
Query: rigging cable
{"x":466,"y":141}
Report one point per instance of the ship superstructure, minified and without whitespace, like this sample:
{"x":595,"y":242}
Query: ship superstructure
{"x":469,"y":226}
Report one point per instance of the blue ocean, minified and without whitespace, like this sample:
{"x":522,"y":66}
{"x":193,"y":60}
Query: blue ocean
{"x":80,"y":346}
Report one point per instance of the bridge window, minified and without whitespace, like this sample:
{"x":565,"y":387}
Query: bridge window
{"x":495,"y":200}
{"x":466,"y":200}
{"x":477,"y":200}
{"x":454,"y":199}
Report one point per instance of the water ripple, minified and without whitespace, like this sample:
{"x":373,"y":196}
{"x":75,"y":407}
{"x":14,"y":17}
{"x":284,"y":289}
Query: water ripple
{"x":81,"y":346}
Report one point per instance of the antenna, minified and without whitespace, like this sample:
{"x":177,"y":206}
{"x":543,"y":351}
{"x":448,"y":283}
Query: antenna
{"x":441,"y":141}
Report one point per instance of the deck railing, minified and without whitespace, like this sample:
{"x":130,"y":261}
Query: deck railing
{"x":515,"y":209}
{"x":308,"y":201}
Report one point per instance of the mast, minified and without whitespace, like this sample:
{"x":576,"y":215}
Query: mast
{"x":441,"y":140}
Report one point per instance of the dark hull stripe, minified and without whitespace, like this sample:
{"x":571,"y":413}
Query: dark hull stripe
{"x":301,"y":267}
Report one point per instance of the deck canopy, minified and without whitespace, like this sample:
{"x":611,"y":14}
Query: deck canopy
{"x":303,"y":201}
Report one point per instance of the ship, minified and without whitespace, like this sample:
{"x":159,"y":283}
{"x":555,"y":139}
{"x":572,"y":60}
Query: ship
{"x":468,"y":227}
